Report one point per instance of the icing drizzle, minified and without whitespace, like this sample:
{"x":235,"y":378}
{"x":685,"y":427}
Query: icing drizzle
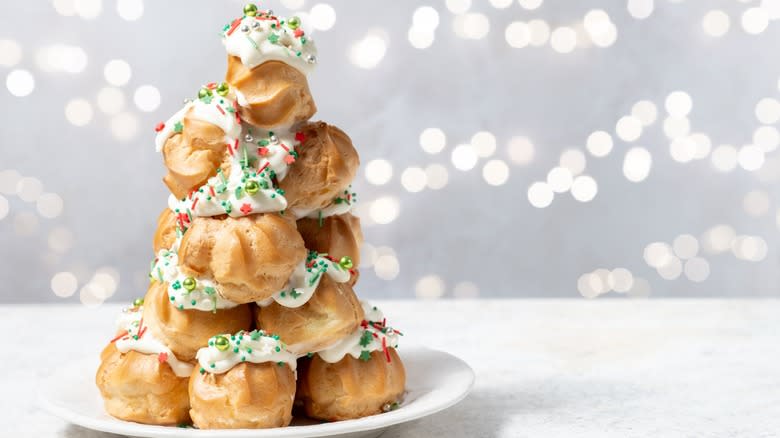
{"x":226,"y":351}
{"x":372,"y":335}
{"x":341,"y":204}
{"x":305,"y":278}
{"x":134,"y":336}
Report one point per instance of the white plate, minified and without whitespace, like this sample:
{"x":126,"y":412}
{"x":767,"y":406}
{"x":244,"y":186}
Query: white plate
{"x":434,"y":381}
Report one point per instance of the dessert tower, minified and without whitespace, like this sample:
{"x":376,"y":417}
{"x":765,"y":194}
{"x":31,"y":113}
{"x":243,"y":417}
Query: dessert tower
{"x":251,"y":308}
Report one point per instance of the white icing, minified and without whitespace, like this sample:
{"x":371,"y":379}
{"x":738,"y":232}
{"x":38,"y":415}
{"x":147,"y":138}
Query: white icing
{"x":304,"y":281}
{"x":138,"y":338}
{"x":261,"y":38}
{"x":219,"y":111}
{"x":341,"y":204}
{"x":255,"y":347}
{"x":366,"y":339}
{"x":204,"y":297}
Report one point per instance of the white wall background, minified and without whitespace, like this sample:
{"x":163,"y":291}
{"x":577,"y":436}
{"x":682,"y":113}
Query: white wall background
{"x":80,"y":183}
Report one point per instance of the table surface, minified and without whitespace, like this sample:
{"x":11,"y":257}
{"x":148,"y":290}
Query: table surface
{"x":548,"y":368}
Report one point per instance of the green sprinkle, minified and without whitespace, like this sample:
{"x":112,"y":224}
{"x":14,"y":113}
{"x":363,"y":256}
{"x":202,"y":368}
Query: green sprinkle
{"x":178,"y":127}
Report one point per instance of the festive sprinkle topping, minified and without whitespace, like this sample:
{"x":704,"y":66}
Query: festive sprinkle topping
{"x":226,"y":351}
{"x":341,"y":204}
{"x":372,"y":335}
{"x":306,"y":277}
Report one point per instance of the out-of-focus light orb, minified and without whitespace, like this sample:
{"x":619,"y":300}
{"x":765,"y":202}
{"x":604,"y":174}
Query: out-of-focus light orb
{"x":754,"y":20}
{"x":520,"y":150}
{"x":495,"y":172}
{"x":90,"y":296}
{"x":25,"y":223}
{"x":108,"y":280}
{"x":110,"y":100}
{"x":584,"y":188}
{"x":117,"y":72}
{"x":386,"y":267}
{"x":560,"y":179}
{"x":606,"y":38}
{"x":718,"y":239}
{"x":751,"y":248}
{"x":130,"y":10}
{"x":600,"y":29}
{"x":64,"y":284}
{"x":645,"y":111}
{"x":433,"y":140}
{"x":88,"y":9}
{"x":464,"y":157}
{"x":20,"y":82}
{"x":530,"y":4}
{"x":425,"y":17}
{"x":750,"y":157}
{"x":540,"y":32}
{"x":429,"y":287}
{"x":767,"y":138}
{"x":540,"y":195}
{"x":703,"y":145}
{"x":66,"y":8}
{"x":78,"y":112}
{"x":640,"y":9}
{"x":369,"y":51}
{"x":414,"y":179}
{"x":574,"y":160}
{"x":682,"y":149}
{"x":458,"y":6}
{"x":436,"y":176}
{"x":322,"y":16}
{"x":589,"y":285}
{"x":10,"y":53}
{"x":756,"y":203}
{"x":628,"y":128}
{"x":637,"y":164}
{"x":685,"y":246}
{"x":620,"y":280}
{"x":384,"y":210}
{"x":29,"y":189}
{"x":768,"y":110}
{"x":678,"y":104}
{"x":697,"y":269}
{"x":724,"y":158}
{"x":716,"y":23}
{"x":484,"y":144}
{"x":657,"y":254}
{"x":420,"y":38}
{"x":124,"y":126}
{"x":49,"y":205}
{"x":378,"y":172}
{"x":599,"y":143}
{"x":293,"y":4}
{"x":60,"y":239}
{"x":670,"y":270}
{"x":4,"y":207}
{"x":518,"y":34}
{"x":563,"y":39}
{"x":61,"y":58}
{"x":465,"y":289}
{"x":472,"y":26}
{"x":501,"y":4}
{"x":8,"y":181}
{"x":677,"y":126}
{"x":147,"y":98}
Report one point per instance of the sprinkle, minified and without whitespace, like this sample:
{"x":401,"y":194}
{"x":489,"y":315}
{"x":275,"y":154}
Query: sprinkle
{"x":233,"y":26}
{"x":119,"y":336}
{"x":211,"y":189}
{"x":230,"y":149}
{"x":252,"y":41}
{"x":219,"y":107}
{"x":178,"y":127}
{"x":284,"y":147}
{"x":194,"y":203}
{"x":298,"y":33}
{"x":159,"y":127}
{"x":260,"y":170}
{"x":289,"y":159}
{"x":300,"y":137}
{"x":384,"y":348}
{"x":246,"y":209}
{"x":262,"y":151}
{"x":162,"y":357}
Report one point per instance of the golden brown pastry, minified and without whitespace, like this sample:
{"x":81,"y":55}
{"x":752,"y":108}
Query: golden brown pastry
{"x":249,"y":258}
{"x":326,"y":165}
{"x":332,"y":312}
{"x":273,"y":93}
{"x":165,"y":234}
{"x":246,"y":380}
{"x":185,"y":331}
{"x":337,"y":236}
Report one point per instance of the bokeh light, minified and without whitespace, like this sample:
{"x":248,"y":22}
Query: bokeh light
{"x":640,"y":9}
{"x":385,"y":210}
{"x":574,"y":160}
{"x":10,"y":53}
{"x":584,"y":188}
{"x":645,"y":111}
{"x":484,"y":144}
{"x":110,"y":100}
{"x":130,"y":10}
{"x":520,"y":150}
{"x":368,"y":51}
{"x":540,"y":194}
{"x":495,"y":172}
{"x":414,"y":179}
{"x":628,"y":128}
{"x":20,"y":82}
{"x":637,"y":164}
{"x":464,"y":157}
{"x":716,"y":23}
{"x":599,"y":143}
{"x":563,"y":39}
{"x":433,"y":140}
{"x":429,"y":287}
{"x":64,"y":284}
{"x":117,"y":72}
{"x":378,"y":172}
{"x":78,"y":112}
{"x":124,"y":126}
{"x":322,"y":16}
{"x":436,"y":176}
{"x":147,"y":98}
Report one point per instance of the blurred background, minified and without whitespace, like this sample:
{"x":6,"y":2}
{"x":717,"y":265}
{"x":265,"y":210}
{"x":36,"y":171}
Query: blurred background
{"x":530,"y":148}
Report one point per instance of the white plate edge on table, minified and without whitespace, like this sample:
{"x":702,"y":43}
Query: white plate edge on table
{"x":435,"y":381}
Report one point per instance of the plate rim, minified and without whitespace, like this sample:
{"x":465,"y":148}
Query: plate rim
{"x":373,"y":422}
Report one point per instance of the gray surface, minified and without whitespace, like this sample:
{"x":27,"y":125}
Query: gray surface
{"x":468,"y":231}
{"x":551,"y":368}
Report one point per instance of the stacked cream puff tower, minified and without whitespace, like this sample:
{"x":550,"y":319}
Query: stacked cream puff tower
{"x":251,"y":308}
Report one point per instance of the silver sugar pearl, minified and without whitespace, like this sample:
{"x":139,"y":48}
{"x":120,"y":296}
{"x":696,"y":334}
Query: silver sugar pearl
{"x":245,"y":28}
{"x":311,"y":59}
{"x":248,"y":138}
{"x":274,"y":139}
{"x":389,"y":331}
{"x":387,"y":407}
{"x":255,"y":24}
{"x":269,"y":12}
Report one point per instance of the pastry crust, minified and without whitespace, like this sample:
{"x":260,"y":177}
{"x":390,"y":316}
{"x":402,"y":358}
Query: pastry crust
{"x":250,"y":257}
{"x":349,"y":388}
{"x":138,"y":387}
{"x":332,"y":313}
{"x":274,"y":93}
{"x":185,"y":331}
{"x":193,"y":155}
{"x":337,"y":236}
{"x":165,"y":234}
{"x":248,"y":396}
{"x":326,"y":165}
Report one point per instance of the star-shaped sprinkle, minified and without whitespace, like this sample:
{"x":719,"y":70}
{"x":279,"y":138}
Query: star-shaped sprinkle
{"x":289,"y":159}
{"x":246,"y":208}
{"x":178,"y":127}
{"x":273,"y":38}
{"x":162,"y":357}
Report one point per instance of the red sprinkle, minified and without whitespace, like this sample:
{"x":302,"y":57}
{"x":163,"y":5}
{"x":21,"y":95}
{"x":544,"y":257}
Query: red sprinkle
{"x":260,"y":170}
{"x":230,"y":149}
{"x":233,"y":26}
{"x":194,"y":203}
{"x":159,"y":127}
{"x":211,"y":189}
{"x":211,"y":85}
{"x":384,"y":347}
{"x":284,"y":147}
{"x":221,"y":110}
{"x":298,"y":33}
{"x":246,"y":209}
{"x":119,"y":336}
{"x":162,"y":357}
{"x":300,"y":137}
{"x":262,"y":151}
{"x":289,"y":159}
